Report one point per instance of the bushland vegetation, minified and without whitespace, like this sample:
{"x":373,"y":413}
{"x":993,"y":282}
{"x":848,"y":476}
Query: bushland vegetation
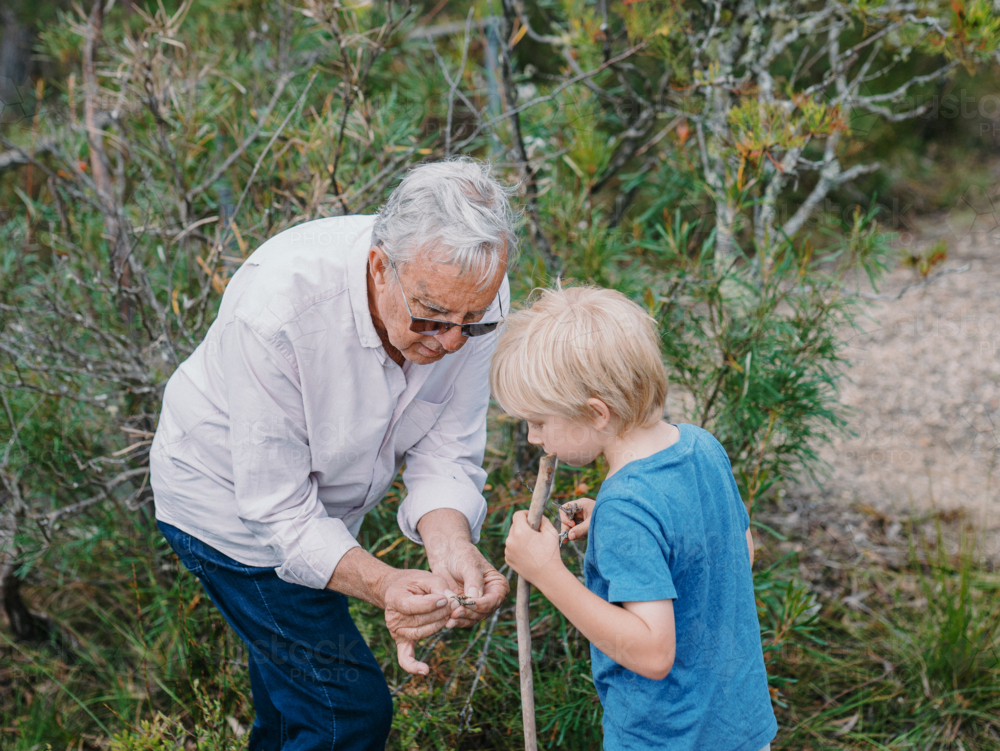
{"x":733,"y":165}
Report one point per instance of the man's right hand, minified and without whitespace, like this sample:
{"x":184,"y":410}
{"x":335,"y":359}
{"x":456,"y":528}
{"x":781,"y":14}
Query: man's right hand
{"x":414,"y":600}
{"x":415,"y":608}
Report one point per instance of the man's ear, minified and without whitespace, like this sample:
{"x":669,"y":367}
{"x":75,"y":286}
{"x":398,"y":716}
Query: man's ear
{"x":378,"y":266}
{"x":600,"y":413}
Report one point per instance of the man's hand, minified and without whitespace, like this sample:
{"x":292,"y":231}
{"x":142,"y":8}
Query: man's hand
{"x":470,"y":575}
{"x":452,"y":556}
{"x":415,"y":607}
{"x":533,"y":555}
{"x":414,"y":601}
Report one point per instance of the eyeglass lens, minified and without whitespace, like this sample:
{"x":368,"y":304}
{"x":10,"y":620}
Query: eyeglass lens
{"x":432,"y":327}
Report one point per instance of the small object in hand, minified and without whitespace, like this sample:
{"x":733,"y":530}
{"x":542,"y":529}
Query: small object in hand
{"x":572,"y":510}
{"x":465,"y":602}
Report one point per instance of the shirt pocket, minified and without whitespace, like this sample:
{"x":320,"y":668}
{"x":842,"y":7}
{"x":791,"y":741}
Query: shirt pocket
{"x":417,"y":420}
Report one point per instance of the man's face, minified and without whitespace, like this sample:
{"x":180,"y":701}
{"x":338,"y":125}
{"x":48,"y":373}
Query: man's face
{"x":433,"y":290}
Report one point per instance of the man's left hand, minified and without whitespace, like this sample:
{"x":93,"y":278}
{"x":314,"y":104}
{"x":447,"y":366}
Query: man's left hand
{"x":452,"y":556}
{"x":470,"y":575}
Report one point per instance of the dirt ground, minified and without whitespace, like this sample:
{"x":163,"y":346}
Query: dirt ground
{"x":924,"y":387}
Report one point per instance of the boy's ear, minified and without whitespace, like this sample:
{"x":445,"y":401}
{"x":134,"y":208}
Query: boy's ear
{"x":601,"y":413}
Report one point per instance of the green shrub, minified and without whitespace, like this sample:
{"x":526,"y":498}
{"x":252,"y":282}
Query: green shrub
{"x":215,"y":732}
{"x":661,"y":167}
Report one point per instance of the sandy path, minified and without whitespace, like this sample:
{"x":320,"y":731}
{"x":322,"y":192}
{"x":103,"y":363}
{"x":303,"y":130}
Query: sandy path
{"x":924,"y":387}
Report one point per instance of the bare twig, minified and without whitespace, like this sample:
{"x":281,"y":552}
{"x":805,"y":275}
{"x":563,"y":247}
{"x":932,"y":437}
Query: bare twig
{"x":17,"y":157}
{"x":120,"y":270}
{"x":539,"y":497}
{"x":270,"y":143}
{"x":583,"y":76}
{"x":205,"y":184}
{"x":224,"y":234}
{"x":541,"y":242}
{"x":916,"y":285}
{"x":453,"y":84}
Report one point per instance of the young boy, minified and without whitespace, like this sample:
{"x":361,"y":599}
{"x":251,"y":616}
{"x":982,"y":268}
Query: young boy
{"x":668,"y":604}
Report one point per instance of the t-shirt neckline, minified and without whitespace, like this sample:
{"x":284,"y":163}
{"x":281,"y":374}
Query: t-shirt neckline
{"x":674,"y":451}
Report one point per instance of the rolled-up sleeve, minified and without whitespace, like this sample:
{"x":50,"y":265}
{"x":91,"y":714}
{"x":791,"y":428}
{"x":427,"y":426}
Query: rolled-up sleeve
{"x":276,"y":494}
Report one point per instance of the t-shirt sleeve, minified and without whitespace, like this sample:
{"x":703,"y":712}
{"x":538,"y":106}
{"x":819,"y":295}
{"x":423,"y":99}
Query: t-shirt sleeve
{"x":737,"y":499}
{"x":734,"y":489}
{"x":632,"y":552}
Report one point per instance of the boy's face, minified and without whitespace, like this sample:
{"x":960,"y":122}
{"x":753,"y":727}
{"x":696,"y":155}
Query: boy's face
{"x":574,"y":442}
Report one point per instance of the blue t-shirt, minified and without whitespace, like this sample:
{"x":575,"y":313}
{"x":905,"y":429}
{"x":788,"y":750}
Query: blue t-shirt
{"x":672,"y":526}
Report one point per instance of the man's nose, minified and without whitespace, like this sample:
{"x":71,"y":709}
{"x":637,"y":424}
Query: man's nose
{"x":451,"y":339}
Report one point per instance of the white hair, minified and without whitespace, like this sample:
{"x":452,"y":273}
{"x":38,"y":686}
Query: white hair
{"x":455,"y":210}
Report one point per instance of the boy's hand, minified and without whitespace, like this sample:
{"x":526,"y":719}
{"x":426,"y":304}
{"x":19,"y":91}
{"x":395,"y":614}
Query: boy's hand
{"x":532,"y":554}
{"x":572,"y":527}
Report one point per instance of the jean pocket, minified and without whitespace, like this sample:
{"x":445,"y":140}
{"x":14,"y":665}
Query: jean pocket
{"x":180,"y":541}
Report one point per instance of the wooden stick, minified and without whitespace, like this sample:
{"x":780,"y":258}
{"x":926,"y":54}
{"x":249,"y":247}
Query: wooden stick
{"x":540,"y":496}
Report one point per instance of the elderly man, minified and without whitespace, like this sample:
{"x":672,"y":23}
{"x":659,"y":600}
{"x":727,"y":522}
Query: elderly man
{"x":342,"y":347}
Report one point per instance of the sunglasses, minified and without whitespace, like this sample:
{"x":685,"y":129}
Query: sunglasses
{"x":434,"y":326}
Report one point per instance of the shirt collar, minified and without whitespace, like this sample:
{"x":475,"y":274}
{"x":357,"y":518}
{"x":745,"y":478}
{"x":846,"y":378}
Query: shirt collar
{"x":357,"y":285}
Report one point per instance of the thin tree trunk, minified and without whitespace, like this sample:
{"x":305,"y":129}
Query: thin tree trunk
{"x":117,"y":244}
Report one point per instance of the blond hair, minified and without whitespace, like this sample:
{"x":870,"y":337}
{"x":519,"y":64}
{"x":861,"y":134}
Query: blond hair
{"x":578,"y":343}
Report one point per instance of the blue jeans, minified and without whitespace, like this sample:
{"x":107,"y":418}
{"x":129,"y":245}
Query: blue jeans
{"x":316,"y":684}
